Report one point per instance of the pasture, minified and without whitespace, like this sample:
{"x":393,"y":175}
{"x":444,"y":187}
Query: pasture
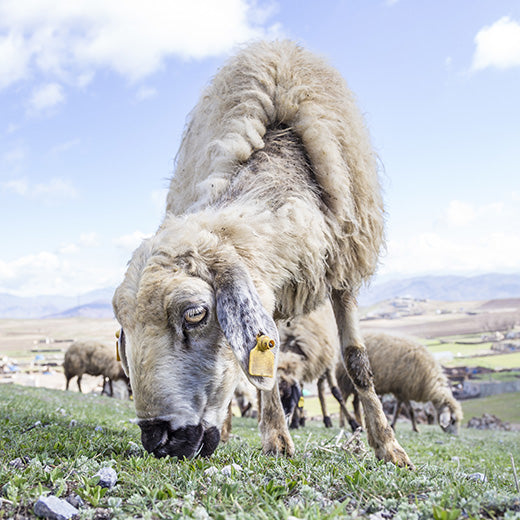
{"x":52,"y":442}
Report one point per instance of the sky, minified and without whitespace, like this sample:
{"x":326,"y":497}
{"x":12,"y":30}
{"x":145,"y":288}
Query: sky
{"x":94,"y":96}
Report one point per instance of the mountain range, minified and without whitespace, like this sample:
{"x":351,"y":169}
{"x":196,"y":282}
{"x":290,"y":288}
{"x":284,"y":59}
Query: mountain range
{"x":97,"y":304}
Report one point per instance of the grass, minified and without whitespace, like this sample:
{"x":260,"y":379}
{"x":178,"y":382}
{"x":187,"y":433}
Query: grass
{"x":497,"y":362}
{"x":68,"y":437}
{"x":505,"y":406}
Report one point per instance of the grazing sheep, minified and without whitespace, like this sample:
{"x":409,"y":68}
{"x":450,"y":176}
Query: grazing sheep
{"x":95,"y":359}
{"x":246,"y":398}
{"x":309,"y":350}
{"x":274,"y":204}
{"x":409,"y":371}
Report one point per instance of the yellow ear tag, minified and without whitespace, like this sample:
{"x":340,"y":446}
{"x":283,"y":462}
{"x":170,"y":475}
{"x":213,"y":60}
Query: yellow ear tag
{"x":118,"y":333}
{"x":301,"y":402}
{"x":261,"y":358}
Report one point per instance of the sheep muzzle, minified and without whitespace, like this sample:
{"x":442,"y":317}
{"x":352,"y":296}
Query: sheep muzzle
{"x":189,"y":441}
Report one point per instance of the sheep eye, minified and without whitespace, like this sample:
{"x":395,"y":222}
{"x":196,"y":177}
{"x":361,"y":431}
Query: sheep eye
{"x":195,"y":315}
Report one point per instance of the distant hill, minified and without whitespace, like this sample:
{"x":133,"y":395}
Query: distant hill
{"x":94,"y":304}
{"x":97,"y":304}
{"x":99,"y":310}
{"x":445,"y":288}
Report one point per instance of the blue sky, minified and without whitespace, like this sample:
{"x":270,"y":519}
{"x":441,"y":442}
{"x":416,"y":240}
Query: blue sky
{"x":94,"y":95}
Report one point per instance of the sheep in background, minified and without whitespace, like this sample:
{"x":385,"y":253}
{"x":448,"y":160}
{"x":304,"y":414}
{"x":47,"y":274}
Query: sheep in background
{"x":95,"y":359}
{"x":409,"y":371}
{"x":309,"y":348}
{"x":246,"y":398}
{"x":274,"y":204}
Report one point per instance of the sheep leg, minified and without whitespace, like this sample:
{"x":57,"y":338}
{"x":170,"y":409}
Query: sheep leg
{"x":67,"y":383}
{"x":380,"y":435}
{"x":79,"y":382}
{"x":334,"y":389}
{"x":397,"y":411}
{"x":276,"y":439}
{"x":357,"y":409}
{"x":226,"y":427}
{"x":412,"y":417}
{"x":296,"y":418}
{"x":323,"y":404}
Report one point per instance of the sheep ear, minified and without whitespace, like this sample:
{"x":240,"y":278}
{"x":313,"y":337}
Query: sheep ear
{"x":242,"y":316}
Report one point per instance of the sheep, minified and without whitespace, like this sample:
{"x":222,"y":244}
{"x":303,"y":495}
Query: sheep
{"x":246,"y":398}
{"x":94,"y":358}
{"x":409,"y":371}
{"x":274,"y":204}
{"x":309,"y":350}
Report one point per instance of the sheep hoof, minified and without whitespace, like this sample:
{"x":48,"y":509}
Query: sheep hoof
{"x":278,"y":444}
{"x":392,"y":452}
{"x":327,"y":421}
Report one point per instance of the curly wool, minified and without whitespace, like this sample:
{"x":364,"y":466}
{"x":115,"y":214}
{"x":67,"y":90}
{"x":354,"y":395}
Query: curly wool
{"x":268,"y":86}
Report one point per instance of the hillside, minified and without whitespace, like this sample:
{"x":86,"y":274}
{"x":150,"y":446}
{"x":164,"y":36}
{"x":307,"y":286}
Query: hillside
{"x":97,"y":304}
{"x":445,"y":288}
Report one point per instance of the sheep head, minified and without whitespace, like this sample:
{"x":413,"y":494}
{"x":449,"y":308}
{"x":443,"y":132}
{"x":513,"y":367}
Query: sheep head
{"x":189,"y":322}
{"x":290,"y":369}
{"x":450,"y":417}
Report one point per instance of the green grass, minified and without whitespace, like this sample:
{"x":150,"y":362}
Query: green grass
{"x":505,"y":406}
{"x":458,"y":349}
{"x":322,"y":481}
{"x":497,"y":362}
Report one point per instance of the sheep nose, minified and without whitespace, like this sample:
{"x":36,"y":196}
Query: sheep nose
{"x":154,"y":434}
{"x":158,"y":438}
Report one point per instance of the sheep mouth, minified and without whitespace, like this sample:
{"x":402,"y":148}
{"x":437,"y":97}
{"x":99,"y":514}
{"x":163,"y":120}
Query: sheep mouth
{"x":186,"y":442}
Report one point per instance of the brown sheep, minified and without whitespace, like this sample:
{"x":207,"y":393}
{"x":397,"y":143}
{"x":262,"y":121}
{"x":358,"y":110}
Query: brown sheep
{"x":409,"y":371}
{"x":95,"y":359}
{"x":274,"y":205}
{"x":310,"y":351}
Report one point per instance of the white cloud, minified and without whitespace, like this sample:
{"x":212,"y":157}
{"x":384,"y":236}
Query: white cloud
{"x":17,"y":186}
{"x":45,"y":97}
{"x":460,"y":213}
{"x":435,"y":253}
{"x":145,"y":93}
{"x":131,"y":241}
{"x":65,"y":146}
{"x":468,"y":238}
{"x":14,"y":58}
{"x":71,"y":40}
{"x":55,"y":188}
{"x":498,"y":45}
{"x":48,"y":192}
{"x":15,"y":155}
{"x":89,"y":239}
{"x":69,"y":249}
{"x":57,"y":273}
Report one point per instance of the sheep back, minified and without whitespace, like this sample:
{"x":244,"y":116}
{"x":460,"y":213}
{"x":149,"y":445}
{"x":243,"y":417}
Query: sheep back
{"x":93,"y":358}
{"x":268,"y":85}
{"x":309,"y":344}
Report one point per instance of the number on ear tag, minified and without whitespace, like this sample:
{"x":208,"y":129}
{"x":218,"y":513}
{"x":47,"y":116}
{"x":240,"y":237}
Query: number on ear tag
{"x":261,"y":358}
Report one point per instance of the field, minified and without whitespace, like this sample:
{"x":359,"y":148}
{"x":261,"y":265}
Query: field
{"x":52,"y":442}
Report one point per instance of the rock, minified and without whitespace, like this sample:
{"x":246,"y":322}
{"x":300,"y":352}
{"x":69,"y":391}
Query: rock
{"x":107,"y":477}
{"x":75,"y":501}
{"x":19,"y":462}
{"x":226,"y":470}
{"x":477,"y":477}
{"x":488,"y":422}
{"x":54,"y":508}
